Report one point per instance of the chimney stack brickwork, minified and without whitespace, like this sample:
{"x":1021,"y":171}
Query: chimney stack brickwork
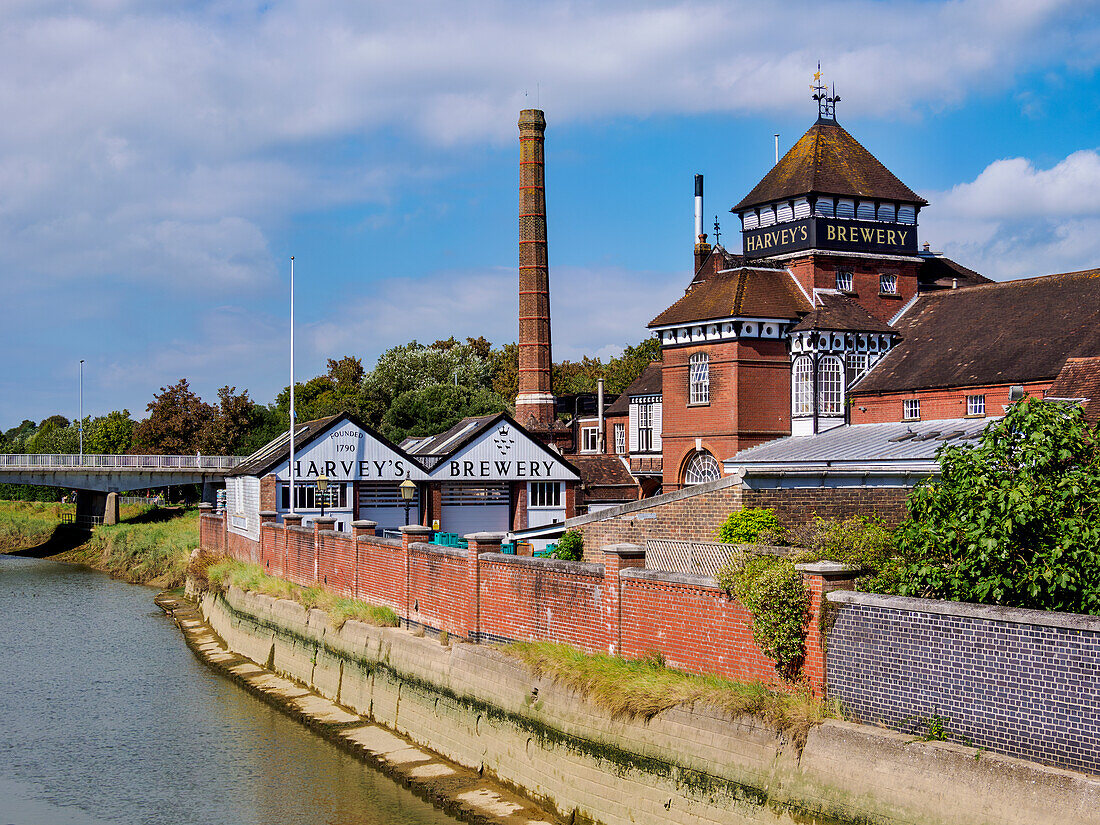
{"x":535,"y":399}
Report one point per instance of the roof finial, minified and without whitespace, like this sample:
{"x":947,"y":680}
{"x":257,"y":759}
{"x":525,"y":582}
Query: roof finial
{"x":717,"y":234}
{"x":826,"y":103}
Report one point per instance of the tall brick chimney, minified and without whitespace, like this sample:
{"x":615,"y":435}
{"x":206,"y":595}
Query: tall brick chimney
{"x":535,"y":400}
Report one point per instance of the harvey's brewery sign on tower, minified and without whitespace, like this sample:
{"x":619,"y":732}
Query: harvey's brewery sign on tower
{"x":878,"y":215}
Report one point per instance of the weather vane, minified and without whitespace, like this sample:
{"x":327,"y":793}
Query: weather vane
{"x":826,"y":103}
{"x":717,"y":234}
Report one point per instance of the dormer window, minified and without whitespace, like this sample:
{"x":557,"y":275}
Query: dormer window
{"x":844,"y":280}
{"x":888,"y":283}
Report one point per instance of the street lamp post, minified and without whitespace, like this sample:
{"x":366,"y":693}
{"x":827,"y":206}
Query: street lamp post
{"x":80,"y":424}
{"x":322,"y":488}
{"x":408,"y":490}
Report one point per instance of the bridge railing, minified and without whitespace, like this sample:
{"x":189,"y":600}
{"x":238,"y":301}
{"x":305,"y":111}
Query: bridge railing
{"x":121,"y":462}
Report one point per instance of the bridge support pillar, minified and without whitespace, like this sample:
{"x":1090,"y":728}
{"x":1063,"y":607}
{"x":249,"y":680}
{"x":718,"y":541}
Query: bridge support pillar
{"x":110,"y":509}
{"x":210,"y":491}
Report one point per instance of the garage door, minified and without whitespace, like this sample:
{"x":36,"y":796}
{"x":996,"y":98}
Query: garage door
{"x":382,"y":502}
{"x":475,"y":508}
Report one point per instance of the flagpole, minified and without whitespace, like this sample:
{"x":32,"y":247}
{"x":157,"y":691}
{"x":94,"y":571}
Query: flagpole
{"x":290,"y":467}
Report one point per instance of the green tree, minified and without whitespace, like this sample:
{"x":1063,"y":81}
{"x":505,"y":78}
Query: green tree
{"x":436,"y":408}
{"x":623,"y":370}
{"x":414,"y":366}
{"x":230,"y":430}
{"x":178,"y":423}
{"x":55,"y":434}
{"x":15,"y":439}
{"x":1014,"y":519}
{"x":505,"y":369}
{"x":111,"y":434}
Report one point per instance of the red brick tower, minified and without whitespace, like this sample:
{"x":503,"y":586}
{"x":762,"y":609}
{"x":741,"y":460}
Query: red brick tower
{"x":535,"y":400}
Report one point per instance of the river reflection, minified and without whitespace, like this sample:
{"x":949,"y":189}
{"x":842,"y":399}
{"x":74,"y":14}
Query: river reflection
{"x":106,"y":717}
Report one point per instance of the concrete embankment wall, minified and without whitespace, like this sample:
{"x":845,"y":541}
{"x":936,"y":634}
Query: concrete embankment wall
{"x":478,"y":707}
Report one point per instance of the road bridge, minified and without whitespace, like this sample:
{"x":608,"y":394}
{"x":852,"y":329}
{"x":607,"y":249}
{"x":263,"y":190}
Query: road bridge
{"x":99,"y":478}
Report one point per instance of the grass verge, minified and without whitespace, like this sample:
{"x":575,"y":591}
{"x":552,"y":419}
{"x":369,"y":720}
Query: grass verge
{"x":223,"y":573}
{"x":645,"y":687}
{"x":26,"y":524}
{"x":148,"y":546}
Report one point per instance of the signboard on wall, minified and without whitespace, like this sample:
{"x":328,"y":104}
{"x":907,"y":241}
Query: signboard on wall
{"x":831,"y":233}
{"x":348,"y":453}
{"x":503,"y":453}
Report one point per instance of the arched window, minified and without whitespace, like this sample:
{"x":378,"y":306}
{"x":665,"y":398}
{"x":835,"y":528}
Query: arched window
{"x":699,"y":378}
{"x":702,"y":468}
{"x":830,"y":386}
{"x":802,"y":389}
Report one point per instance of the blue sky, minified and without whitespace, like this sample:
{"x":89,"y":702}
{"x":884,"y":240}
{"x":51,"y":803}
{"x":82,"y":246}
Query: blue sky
{"x":159,"y":163}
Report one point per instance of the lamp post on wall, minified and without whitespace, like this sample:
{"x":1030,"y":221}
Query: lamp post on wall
{"x":322,"y":488}
{"x":408,"y":490}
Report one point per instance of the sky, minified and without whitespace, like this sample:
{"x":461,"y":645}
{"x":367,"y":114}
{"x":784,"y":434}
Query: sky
{"x":161,"y":162}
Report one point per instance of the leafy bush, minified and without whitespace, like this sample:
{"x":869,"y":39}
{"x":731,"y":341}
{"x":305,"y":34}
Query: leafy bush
{"x":772,"y":591}
{"x":856,"y":540}
{"x":570,"y":546}
{"x":1014,"y":519}
{"x":750,"y":526}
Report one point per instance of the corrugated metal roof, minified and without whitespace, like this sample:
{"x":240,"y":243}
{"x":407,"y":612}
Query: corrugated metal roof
{"x":863,"y":444}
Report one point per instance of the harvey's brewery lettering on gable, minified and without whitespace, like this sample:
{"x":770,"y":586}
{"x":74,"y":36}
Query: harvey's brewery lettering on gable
{"x":504,"y":454}
{"x":348,"y":453}
{"x":831,"y":233}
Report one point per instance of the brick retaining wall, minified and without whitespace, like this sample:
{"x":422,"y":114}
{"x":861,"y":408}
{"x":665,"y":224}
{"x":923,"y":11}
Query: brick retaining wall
{"x":1019,"y":682}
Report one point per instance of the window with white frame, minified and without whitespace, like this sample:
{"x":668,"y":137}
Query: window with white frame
{"x":702,"y":468}
{"x":645,"y":428}
{"x":545,"y":494}
{"x":802,"y":389}
{"x":590,"y":439}
{"x":699,"y":378}
{"x":844,"y":280}
{"x":975,"y":405}
{"x":857,"y":364}
{"x":830,"y":386}
{"x":910,"y":409}
{"x":620,"y":438}
{"x":888,"y":283}
{"x":306,"y":496}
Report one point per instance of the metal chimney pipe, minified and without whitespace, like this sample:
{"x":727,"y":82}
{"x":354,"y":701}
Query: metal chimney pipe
{"x":777,"y":148}
{"x":698,"y":209}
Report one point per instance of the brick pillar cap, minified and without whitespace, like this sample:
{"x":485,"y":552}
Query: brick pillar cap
{"x":484,"y":538}
{"x":264,"y":513}
{"x":363,"y":522}
{"x":416,"y":529}
{"x":292,"y":518}
{"x":206,"y":505}
{"x":325,"y":520}
{"x":826,"y":568}
{"x":623,"y":550}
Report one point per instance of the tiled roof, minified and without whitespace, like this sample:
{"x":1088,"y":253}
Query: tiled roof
{"x":747,"y":291}
{"x":937,"y":272}
{"x":1011,"y":332}
{"x":842,"y":314}
{"x":1080,"y":378}
{"x":648,"y":383}
{"x":602,"y":471}
{"x":828,"y":161}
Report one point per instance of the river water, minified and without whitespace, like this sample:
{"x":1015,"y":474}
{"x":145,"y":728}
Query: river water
{"x":106,"y":717}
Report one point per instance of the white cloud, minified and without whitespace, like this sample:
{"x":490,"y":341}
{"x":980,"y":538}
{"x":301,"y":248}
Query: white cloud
{"x":1015,"y":220}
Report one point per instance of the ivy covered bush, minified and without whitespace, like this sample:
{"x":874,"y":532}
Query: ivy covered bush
{"x":772,"y":591}
{"x":750,"y":526}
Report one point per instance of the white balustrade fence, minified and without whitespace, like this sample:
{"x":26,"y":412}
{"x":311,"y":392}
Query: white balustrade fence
{"x":119,"y":462}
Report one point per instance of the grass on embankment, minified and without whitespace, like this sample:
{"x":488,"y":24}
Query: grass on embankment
{"x":148,"y":546}
{"x":223,"y":573}
{"x":27,"y":524}
{"x":645,"y":687}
